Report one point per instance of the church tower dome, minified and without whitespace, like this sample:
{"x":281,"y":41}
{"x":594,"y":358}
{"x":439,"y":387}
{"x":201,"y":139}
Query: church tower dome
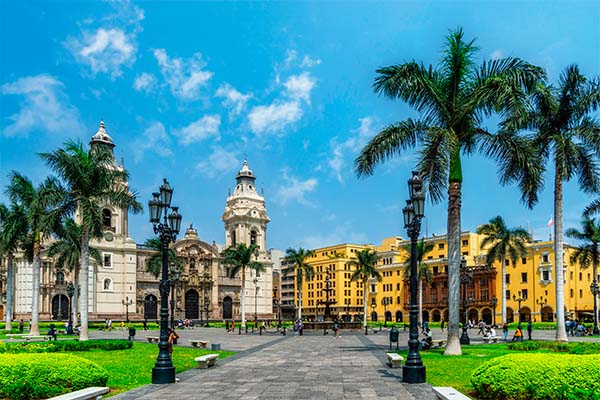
{"x":102,"y":138}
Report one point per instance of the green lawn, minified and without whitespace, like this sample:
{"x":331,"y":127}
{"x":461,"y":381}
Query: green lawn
{"x":131,"y":368}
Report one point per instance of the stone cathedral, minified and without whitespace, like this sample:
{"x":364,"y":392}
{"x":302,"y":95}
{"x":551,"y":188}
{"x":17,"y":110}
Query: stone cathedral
{"x":203,"y":290}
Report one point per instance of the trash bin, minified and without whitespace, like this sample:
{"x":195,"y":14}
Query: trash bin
{"x":131,"y":333}
{"x":394,"y":333}
{"x":215,"y":346}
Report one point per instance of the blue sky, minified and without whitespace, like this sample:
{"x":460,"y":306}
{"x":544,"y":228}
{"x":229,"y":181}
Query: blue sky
{"x":187,"y":90}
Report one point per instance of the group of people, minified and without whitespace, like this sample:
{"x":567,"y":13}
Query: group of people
{"x":577,"y":328}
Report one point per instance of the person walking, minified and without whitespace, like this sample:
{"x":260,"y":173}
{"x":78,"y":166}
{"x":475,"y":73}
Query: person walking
{"x":336,"y":330}
{"x":21,"y":326}
{"x":505,"y":331}
{"x":173,"y":336}
{"x":443,"y":324}
{"x":529,"y":329}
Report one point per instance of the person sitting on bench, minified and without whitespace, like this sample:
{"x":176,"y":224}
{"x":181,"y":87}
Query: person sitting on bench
{"x":52,"y":331}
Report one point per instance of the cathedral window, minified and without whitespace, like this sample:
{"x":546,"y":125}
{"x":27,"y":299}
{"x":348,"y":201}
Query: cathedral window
{"x":192,"y":264}
{"x":60,"y":278}
{"x":253,"y":236}
{"x":107,"y":284}
{"x":107,"y":260}
{"x":233,"y":238}
{"x":107,"y":219}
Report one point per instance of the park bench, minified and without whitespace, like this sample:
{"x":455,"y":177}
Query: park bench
{"x":394,"y":360}
{"x":207,"y":360}
{"x":32,"y":338}
{"x":448,"y":393}
{"x":490,"y":339}
{"x":201,"y":343}
{"x":91,"y":393}
{"x":16,"y":335}
{"x":152,"y":339}
{"x":438,"y":343}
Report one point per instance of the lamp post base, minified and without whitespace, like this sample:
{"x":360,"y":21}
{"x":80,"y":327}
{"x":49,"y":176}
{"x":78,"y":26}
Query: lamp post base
{"x":464,"y":338}
{"x":413,"y":373}
{"x":596,"y":331}
{"x":161,"y":375}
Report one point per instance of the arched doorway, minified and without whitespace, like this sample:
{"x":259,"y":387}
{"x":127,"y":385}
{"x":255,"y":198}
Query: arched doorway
{"x":60,"y":307}
{"x":151,"y":307}
{"x":436,"y":315}
{"x":547,"y":314}
{"x":425,"y":315}
{"x":398,"y":316}
{"x":473,"y":315}
{"x":227,"y":308}
{"x":486,"y":316}
{"x":388,"y":316}
{"x":510,"y":315}
{"x":191,"y":304}
{"x":373,"y":316}
{"x":525,"y":314}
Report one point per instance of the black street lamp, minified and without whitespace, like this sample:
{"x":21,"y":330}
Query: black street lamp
{"x":164,"y":370}
{"x":255,"y":281}
{"x":385,"y":301}
{"x":127,"y":302}
{"x":595,"y":291}
{"x":519,"y":299}
{"x":413,"y":370}
{"x":494,"y":303}
{"x":175,"y":274}
{"x":466,"y":277}
{"x":542,"y":303}
{"x":70,"y":292}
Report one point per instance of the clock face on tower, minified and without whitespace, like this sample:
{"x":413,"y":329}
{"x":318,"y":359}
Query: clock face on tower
{"x":108,"y":236}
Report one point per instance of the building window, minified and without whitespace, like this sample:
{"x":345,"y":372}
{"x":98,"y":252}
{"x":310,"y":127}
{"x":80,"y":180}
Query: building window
{"x":523,"y":260}
{"x":107,"y":285}
{"x":571,"y":275}
{"x":253,"y":236}
{"x":397,"y":286}
{"x":545,"y":258}
{"x":524,"y":293}
{"x":60,"y":278}
{"x":546,"y":275}
{"x":107,"y":257}
{"x":440,"y":246}
{"x":465,"y":242}
{"x":106,"y":218}
{"x":523,"y":277}
{"x":580,"y":293}
{"x":435,"y":270}
{"x":507,"y":294}
{"x":507,"y":278}
{"x":580,"y":274}
{"x":233,"y":238}
{"x":507,"y":262}
{"x":571,"y":292}
{"x":483,"y":281}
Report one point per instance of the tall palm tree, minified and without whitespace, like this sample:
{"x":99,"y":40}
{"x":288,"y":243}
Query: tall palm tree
{"x":92,"y":180}
{"x":366,"y":268}
{"x":38,"y":204}
{"x":239,"y":257}
{"x":423,"y":272}
{"x":502,"y":243}
{"x":453,"y":99}
{"x":154,"y":263}
{"x":13,"y":229}
{"x":588,"y":253}
{"x":301,"y":268}
{"x":68,"y":250}
{"x":567,"y":140}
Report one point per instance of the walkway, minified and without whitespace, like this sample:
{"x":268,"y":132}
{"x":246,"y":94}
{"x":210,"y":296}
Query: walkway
{"x":312,"y":366}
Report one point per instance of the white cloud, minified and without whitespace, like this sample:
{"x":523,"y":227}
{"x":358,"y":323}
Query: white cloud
{"x":233,"y":99}
{"x":295,"y":190}
{"x":350,"y":146}
{"x":344,"y":233}
{"x":145,"y":82}
{"x":218,"y":163}
{"x":275,"y":117}
{"x":200,"y":130}
{"x":154,"y":138}
{"x":44,"y":108}
{"x":185,"y":77}
{"x":497,"y":54}
{"x":300,"y":86}
{"x":309,"y":62}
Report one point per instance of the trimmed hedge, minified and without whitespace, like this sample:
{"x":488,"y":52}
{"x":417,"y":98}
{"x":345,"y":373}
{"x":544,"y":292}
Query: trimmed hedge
{"x":64,"y":345}
{"x":39,"y":376}
{"x":561,"y":347}
{"x":539,"y":376}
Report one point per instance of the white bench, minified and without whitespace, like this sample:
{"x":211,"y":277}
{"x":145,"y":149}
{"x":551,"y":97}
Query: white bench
{"x":152,"y":339}
{"x":490,"y":339}
{"x":448,"y":393}
{"x":34,"y":338}
{"x":94,"y":393}
{"x":207,"y":360}
{"x":438,"y":343}
{"x":16,"y":335}
{"x":394,"y":360}
{"x":201,"y":343}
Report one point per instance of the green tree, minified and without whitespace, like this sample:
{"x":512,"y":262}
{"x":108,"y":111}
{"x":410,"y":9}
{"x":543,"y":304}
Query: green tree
{"x":588,"y":253}
{"x":423,"y":272}
{"x":301,"y":269}
{"x":453,"y":100}
{"x":502,"y":243}
{"x":154,"y":263}
{"x":92,"y":180}
{"x":13,"y":230}
{"x":39,"y":207}
{"x":67,"y":250}
{"x":239,"y":257}
{"x":566,"y":137}
{"x":366,"y":268}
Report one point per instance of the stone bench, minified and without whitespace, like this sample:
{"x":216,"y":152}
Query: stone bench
{"x":16,"y":335}
{"x":207,"y":360}
{"x":199,"y":343}
{"x":490,"y":339}
{"x":31,"y":338}
{"x":94,"y":393}
{"x":448,"y":393}
{"x":152,"y":339}
{"x":394,"y":360}
{"x":438,"y":343}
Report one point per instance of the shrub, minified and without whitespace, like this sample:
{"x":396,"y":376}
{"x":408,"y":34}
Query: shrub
{"x":64,"y":345}
{"x":524,"y":346}
{"x":539,"y":376}
{"x":28,"y":376}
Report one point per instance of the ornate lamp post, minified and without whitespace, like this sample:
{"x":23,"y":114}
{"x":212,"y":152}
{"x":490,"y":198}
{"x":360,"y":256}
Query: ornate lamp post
{"x":595,"y":291}
{"x":175,"y":274}
{"x":519,"y":300}
{"x":413,"y":370}
{"x":385,"y":301}
{"x":255,"y":281}
{"x":542,"y":303}
{"x":466,"y":277}
{"x":127,"y":302}
{"x":70,"y":292}
{"x":164,"y":370}
{"x":494,"y":303}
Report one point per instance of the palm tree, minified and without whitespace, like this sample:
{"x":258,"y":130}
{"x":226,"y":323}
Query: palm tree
{"x":301,"y":269}
{"x":423,"y":272}
{"x":13,"y":229}
{"x":38,"y":204}
{"x":154,"y":263}
{"x":453,"y":100}
{"x":503,"y":243}
{"x":588,"y":253}
{"x":239,"y":257}
{"x":567,"y":139}
{"x":366,"y":268}
{"x":92,"y":180}
{"x":68,"y":250}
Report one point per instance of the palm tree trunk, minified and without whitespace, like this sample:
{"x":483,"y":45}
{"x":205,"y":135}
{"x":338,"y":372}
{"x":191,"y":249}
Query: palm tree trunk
{"x":84,"y":279}
{"x":243,"y":297}
{"x":420,"y":319}
{"x":34,"y":329}
{"x":300,"y":299}
{"x":561,"y":330}
{"x":454,"y":204}
{"x":76,"y":295}
{"x":9,"y":291}
{"x":503,"y":293}
{"x":365,"y":303}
